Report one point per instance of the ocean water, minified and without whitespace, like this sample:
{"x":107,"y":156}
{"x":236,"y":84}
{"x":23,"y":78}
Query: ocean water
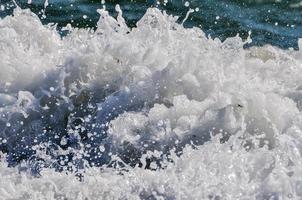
{"x":276,"y":22}
{"x":150,"y":100}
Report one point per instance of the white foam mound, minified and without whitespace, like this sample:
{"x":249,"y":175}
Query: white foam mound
{"x":241,"y":109}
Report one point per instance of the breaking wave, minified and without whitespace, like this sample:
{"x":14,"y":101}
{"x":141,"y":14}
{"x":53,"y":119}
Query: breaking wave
{"x":158,"y":111}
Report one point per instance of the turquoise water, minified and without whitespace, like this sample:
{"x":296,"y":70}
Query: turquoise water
{"x":271,"y":22}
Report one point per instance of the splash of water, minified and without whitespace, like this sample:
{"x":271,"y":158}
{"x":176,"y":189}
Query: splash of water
{"x":209,"y":120}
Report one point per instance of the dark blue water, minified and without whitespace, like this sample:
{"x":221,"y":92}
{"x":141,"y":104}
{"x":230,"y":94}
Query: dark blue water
{"x":270,"y":21}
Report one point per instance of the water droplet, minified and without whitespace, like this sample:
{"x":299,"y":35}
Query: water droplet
{"x":102,"y":148}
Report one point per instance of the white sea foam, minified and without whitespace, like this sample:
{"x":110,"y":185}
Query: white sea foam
{"x":216,"y":121}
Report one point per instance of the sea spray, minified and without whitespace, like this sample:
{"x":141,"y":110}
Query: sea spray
{"x":156,"y":111}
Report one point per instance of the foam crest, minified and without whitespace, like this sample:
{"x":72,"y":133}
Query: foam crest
{"x":157,"y":111}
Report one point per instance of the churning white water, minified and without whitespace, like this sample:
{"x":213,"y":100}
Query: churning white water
{"x":154,"y":112}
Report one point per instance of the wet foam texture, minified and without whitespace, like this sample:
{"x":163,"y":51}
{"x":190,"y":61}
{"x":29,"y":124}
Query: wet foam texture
{"x":158,"y":111}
